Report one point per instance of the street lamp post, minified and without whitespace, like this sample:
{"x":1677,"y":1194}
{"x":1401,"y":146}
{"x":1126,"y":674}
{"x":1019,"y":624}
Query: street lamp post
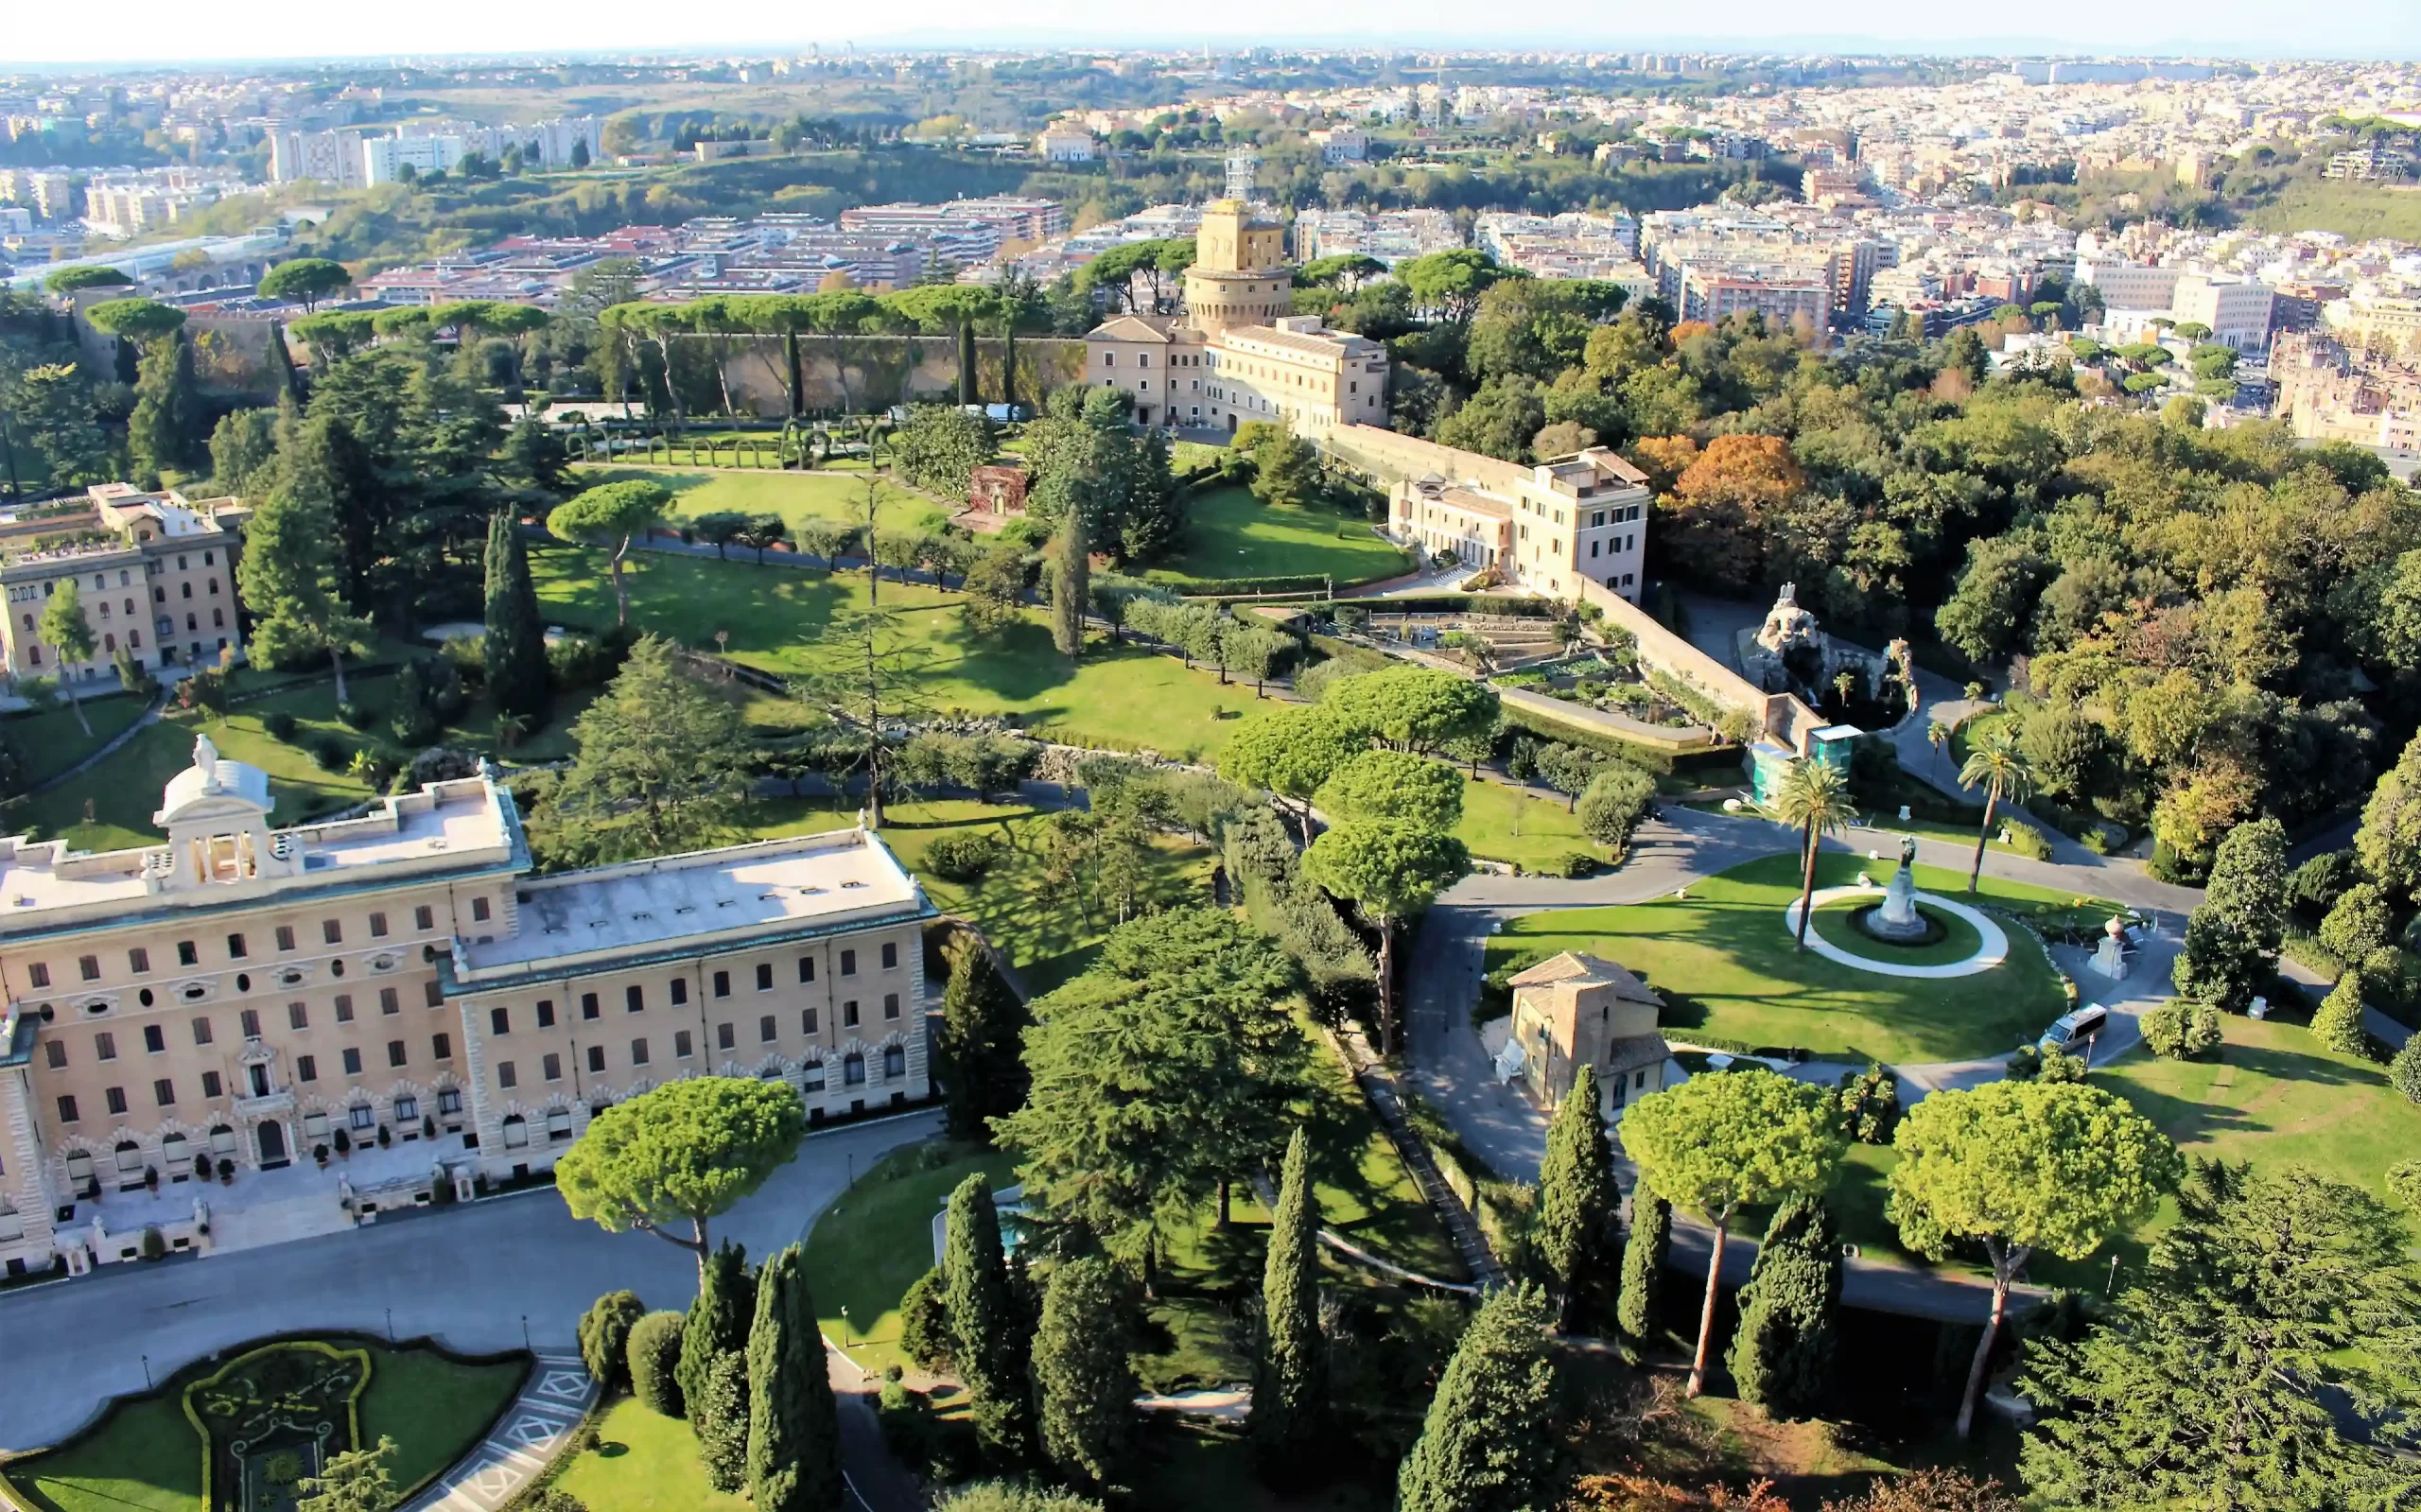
{"x":845,"y":1330}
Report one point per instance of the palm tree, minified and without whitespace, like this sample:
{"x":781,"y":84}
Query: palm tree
{"x":1938,"y":735}
{"x":1811,"y":798}
{"x":1842,"y":685}
{"x":1997,"y":765}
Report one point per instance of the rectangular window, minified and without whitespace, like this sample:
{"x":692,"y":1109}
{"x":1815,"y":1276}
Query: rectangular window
{"x":638,"y":1053}
{"x":138,"y":961}
{"x":344,"y":1007}
{"x":165,"y":1092}
{"x":588,"y":1005}
{"x":806,"y":968}
{"x":332,"y":931}
{"x":306,"y":1067}
{"x":890,"y":955}
{"x":188,"y":953}
{"x":377,"y":926}
{"x":765,"y":976}
{"x":808,"y":1020}
{"x":680,"y":991}
{"x":442,"y":1046}
{"x":234,"y":947}
{"x":390,"y":1001}
{"x":360,"y":1115}
{"x":353,"y":1063}
{"x":433,"y":992}
{"x":633,"y":998}
{"x":551,"y":1067}
{"x":210,"y":1083}
{"x":849,"y":1014}
{"x":424,"y":919}
{"x":395,"y":1052}
{"x":546,"y":1012}
{"x":849,"y":963}
{"x":38,"y":975}
{"x":115,"y":1098}
{"x":286,"y":937}
{"x":596,"y":1059}
{"x":681,"y":1044}
{"x":724,"y":1036}
{"x":500,"y":1020}
{"x":105,"y":1045}
{"x":248,"y":1020}
{"x":506,"y":1076}
{"x":722,"y":983}
{"x":891,"y":1005}
{"x":765,"y":1030}
{"x":155,"y":1040}
{"x":56,"y":1053}
{"x":66,"y":1110}
{"x":480,"y":910}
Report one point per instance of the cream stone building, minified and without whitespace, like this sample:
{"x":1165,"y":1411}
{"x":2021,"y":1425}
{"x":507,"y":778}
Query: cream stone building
{"x":1239,"y":353}
{"x":1579,"y":1010}
{"x":156,"y":573}
{"x":1550,"y":527}
{"x":354,"y":1015}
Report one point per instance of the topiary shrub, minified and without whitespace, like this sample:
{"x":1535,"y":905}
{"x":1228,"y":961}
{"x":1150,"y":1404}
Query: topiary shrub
{"x":655,"y":1355}
{"x":2337,"y":1024}
{"x":924,"y":1323}
{"x":155,"y":1244}
{"x":359,"y":715}
{"x":280,"y":726}
{"x":2404,"y":1072}
{"x":2313,"y":888}
{"x":1575,"y":863}
{"x":2181,"y":1029}
{"x":331,"y":755}
{"x":2027,"y":841}
{"x":963,"y":854}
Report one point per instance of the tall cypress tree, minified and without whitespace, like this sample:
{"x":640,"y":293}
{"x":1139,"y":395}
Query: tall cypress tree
{"x":1489,"y":1443}
{"x":794,"y":1426}
{"x":1782,"y":1355}
{"x":979,"y":1042}
{"x":281,"y":362}
{"x":1291,"y":1382}
{"x":1070,"y":586}
{"x":719,"y":1321}
{"x":1578,"y":1199}
{"x":991,"y":1352}
{"x":1083,"y":1383}
{"x":1643,"y":1253}
{"x":516,"y":641}
{"x":718,"y":1414}
{"x":967,"y":392}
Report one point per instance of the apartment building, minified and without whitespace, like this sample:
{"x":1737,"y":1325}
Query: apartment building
{"x":346,"y":1015}
{"x":1016,"y":219}
{"x":1238,"y":355}
{"x":1546,"y":526}
{"x":2237,"y":310}
{"x":156,"y":573}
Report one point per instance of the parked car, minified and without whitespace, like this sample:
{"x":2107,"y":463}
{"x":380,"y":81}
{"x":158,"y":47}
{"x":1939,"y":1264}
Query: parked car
{"x":2073,"y":1026}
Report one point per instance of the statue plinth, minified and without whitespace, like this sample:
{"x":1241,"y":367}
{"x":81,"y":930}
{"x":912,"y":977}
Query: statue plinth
{"x":1897,"y":920}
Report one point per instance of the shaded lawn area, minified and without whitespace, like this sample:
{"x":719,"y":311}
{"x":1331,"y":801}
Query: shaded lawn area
{"x":51,"y":742}
{"x":1119,"y":697}
{"x":1049,"y":931}
{"x":1228,"y":533}
{"x":796,"y":496}
{"x":643,"y":1463}
{"x":124,"y":791}
{"x":869,"y":1247}
{"x":147,"y":1455}
{"x":1501,"y":823}
{"x":1724,"y":962}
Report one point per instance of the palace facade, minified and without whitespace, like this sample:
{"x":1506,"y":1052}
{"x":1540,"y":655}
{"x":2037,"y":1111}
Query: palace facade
{"x":281,"y":1023}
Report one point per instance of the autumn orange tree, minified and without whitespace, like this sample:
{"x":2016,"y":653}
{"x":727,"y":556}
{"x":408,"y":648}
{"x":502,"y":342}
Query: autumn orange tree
{"x":1715,"y":517}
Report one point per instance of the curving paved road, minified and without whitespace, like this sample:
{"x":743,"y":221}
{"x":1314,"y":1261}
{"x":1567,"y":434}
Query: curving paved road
{"x":1448,"y":1065}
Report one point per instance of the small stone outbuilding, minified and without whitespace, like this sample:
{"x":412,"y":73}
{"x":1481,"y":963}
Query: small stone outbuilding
{"x":1576,"y":1010}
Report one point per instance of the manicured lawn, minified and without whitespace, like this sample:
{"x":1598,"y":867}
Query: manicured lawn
{"x":123,"y":793}
{"x":795,"y":496}
{"x":1119,"y":697}
{"x":1834,"y":924}
{"x":147,"y":1455}
{"x":643,"y":1463}
{"x":51,"y":742}
{"x":1228,"y":533}
{"x":1724,"y":962}
{"x":869,"y":1247}
{"x":1500,"y":823}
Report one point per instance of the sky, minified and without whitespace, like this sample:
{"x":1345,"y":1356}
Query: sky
{"x":173,"y":31}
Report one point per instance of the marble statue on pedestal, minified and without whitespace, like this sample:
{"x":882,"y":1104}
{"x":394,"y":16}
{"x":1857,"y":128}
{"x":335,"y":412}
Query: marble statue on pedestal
{"x":1898,"y":919}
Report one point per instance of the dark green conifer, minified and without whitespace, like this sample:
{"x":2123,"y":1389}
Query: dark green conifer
{"x":992,"y":1345}
{"x":1578,"y":1199}
{"x":1290,"y":1384}
{"x":516,"y":654}
{"x":1083,"y":1383}
{"x":1782,"y":1354}
{"x":719,"y":1321}
{"x":1643,"y":1253}
{"x":794,"y":1426}
{"x":1489,"y":1441}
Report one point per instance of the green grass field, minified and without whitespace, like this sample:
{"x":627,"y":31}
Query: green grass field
{"x":1502,"y":825}
{"x":643,"y":1463}
{"x":869,"y":1247}
{"x":51,"y":742}
{"x":147,"y":1455}
{"x":1121,"y":696}
{"x":796,"y":496}
{"x":1228,"y":533}
{"x":1724,"y":962}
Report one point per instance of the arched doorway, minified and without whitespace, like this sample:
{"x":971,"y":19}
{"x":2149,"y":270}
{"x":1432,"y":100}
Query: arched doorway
{"x":272,"y":1142}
